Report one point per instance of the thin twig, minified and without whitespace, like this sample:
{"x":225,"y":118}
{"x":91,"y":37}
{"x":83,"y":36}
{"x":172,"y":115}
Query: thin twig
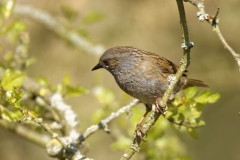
{"x":227,"y":46}
{"x":179,"y":123}
{"x":103,"y":123}
{"x":150,"y":120}
{"x":203,"y":16}
{"x":29,"y":116}
{"x":65,"y":149}
{"x":26,"y":133}
{"x":50,"y":22}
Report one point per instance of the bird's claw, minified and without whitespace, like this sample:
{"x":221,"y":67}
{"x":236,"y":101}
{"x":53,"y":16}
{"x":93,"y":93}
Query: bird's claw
{"x":159,"y":108}
{"x":162,"y":110}
{"x":139,"y":133}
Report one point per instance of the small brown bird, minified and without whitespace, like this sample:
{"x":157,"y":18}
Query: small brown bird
{"x":142,"y":75}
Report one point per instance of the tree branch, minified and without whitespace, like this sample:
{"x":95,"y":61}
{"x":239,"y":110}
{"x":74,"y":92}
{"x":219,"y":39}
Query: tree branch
{"x":203,"y":16}
{"x":19,"y":129}
{"x":50,"y":22}
{"x":103,"y":123}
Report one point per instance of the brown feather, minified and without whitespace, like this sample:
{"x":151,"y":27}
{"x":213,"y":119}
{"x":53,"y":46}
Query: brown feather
{"x":194,"y":82}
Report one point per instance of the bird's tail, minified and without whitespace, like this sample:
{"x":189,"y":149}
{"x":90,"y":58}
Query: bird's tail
{"x":194,"y":82}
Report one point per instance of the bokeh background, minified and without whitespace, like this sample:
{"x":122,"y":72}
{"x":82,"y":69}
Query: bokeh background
{"x":152,"y":26}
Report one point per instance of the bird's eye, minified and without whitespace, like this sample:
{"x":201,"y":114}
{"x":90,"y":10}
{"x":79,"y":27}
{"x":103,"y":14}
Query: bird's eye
{"x":105,"y":62}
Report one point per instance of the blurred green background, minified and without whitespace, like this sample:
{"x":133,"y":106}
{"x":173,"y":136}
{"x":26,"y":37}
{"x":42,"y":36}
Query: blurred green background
{"x":152,"y":26}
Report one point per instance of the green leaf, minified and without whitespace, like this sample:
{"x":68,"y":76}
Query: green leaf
{"x":122,"y":143}
{"x":2,"y":66}
{"x":1,"y":21}
{"x":213,"y":97}
{"x":11,"y":79}
{"x":105,"y":96}
{"x":13,"y":30}
{"x":83,"y":32}
{"x":69,"y":12}
{"x":192,"y":133}
{"x":17,"y":26}
{"x":201,"y":123}
{"x":191,"y":92}
{"x":43,"y":81}
{"x":182,"y":108}
{"x":172,"y":112}
{"x":199,"y":106}
{"x":8,"y":56}
{"x":178,"y":101}
{"x":98,"y":115}
{"x":66,"y":80}
{"x":181,"y":117}
{"x":14,"y":97}
{"x":9,"y":116}
{"x":195,"y":114}
{"x":75,"y":91}
{"x":71,"y":91}
{"x":92,"y":17}
{"x":30,"y":61}
{"x":6,"y":7}
{"x":202,"y":97}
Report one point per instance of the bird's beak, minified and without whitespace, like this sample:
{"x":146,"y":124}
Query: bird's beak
{"x":97,"y":67}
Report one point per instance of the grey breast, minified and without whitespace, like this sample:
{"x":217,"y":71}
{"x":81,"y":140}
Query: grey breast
{"x":137,"y":80}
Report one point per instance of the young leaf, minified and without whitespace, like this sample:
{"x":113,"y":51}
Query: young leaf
{"x":212,"y":98}
{"x":8,"y":56}
{"x":9,"y":115}
{"x":104,"y":96}
{"x":192,"y":133}
{"x":69,"y":12}
{"x":75,"y":91}
{"x":43,"y":81}
{"x":14,"y":29}
{"x":201,"y":122}
{"x":6,"y":7}
{"x":202,"y":97}
{"x":199,"y":106}
{"x":92,"y":17}
{"x":14,"y":96}
{"x":190,"y":92}
{"x":122,"y":143}
{"x":98,"y":115}
{"x":11,"y":79}
{"x":66,"y":80}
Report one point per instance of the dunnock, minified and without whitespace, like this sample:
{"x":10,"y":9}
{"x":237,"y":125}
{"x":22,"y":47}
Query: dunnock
{"x":143,"y":75}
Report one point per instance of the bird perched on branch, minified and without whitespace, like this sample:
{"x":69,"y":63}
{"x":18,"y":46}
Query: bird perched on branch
{"x":143,"y":75}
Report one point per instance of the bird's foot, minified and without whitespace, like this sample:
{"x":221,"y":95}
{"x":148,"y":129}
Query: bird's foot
{"x":139,"y":133}
{"x":159,"y":108}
